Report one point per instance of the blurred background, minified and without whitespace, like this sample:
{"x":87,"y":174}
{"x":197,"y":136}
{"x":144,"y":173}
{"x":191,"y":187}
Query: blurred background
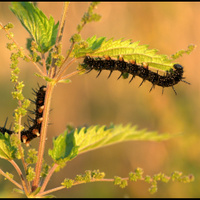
{"x":166,"y":26}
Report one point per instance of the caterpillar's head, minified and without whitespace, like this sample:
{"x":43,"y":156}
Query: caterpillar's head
{"x":178,"y":67}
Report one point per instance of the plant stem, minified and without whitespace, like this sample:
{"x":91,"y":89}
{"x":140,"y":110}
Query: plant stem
{"x":24,"y":164}
{"x":19,"y":48}
{"x":20,"y":175}
{"x":53,"y":70}
{"x":47,"y":105}
{"x":69,"y":75}
{"x":43,"y":135}
{"x":50,"y":173}
{"x":77,"y":183}
{"x":59,"y":75}
{"x":62,"y":22}
{"x":44,"y":64}
{"x":11,"y":180}
{"x":20,"y":147}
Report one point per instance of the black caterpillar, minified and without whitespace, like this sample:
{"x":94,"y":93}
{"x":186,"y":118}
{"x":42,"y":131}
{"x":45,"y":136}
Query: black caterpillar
{"x":167,"y":80}
{"x":34,"y":130}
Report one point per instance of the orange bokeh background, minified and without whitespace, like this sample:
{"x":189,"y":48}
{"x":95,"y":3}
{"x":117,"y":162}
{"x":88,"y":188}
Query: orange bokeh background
{"x":166,"y":26}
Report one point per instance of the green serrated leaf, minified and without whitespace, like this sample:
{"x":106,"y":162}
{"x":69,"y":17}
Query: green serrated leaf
{"x":75,"y":141}
{"x":64,"y":147}
{"x":67,"y":146}
{"x":99,"y":47}
{"x":93,"y":44}
{"x":42,"y":29}
{"x":96,"y":137}
{"x":7,"y":151}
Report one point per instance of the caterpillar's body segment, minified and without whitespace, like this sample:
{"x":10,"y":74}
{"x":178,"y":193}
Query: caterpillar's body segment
{"x":34,"y":130}
{"x":167,"y":80}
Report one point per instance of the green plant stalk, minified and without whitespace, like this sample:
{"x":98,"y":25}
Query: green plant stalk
{"x":43,"y":134}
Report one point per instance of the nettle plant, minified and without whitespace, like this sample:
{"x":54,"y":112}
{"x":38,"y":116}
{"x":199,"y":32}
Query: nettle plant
{"x":44,"y":52}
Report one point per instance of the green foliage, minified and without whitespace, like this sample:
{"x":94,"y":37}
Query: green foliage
{"x":65,"y":81}
{"x":46,"y":78}
{"x":99,"y":47}
{"x":178,"y":176}
{"x":30,"y":174}
{"x":86,"y":47}
{"x":7,"y":151}
{"x":68,"y":183}
{"x":64,"y":148}
{"x":89,"y":16}
{"x":34,"y":193}
{"x":180,"y":53}
{"x":137,"y":175}
{"x":32,"y":46}
{"x":42,"y":30}
{"x":98,"y":136}
{"x":9,"y":175}
{"x":153,"y":181}
{"x":73,"y":141}
{"x":24,"y":103}
{"x":121,"y":182}
{"x":67,"y":146}
{"x":15,"y":142}
{"x":32,"y":156}
{"x":45,"y":170}
{"x":96,"y":174}
{"x":89,"y":176}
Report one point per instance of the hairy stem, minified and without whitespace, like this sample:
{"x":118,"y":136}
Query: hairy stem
{"x":50,"y":173}
{"x":69,"y":75}
{"x":77,"y":183}
{"x":53,"y":70}
{"x":62,"y":22}
{"x":43,"y":134}
{"x":23,"y":180}
{"x":44,"y":64}
{"x":59,"y":75}
{"x":24,"y":164}
{"x":10,"y":179}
